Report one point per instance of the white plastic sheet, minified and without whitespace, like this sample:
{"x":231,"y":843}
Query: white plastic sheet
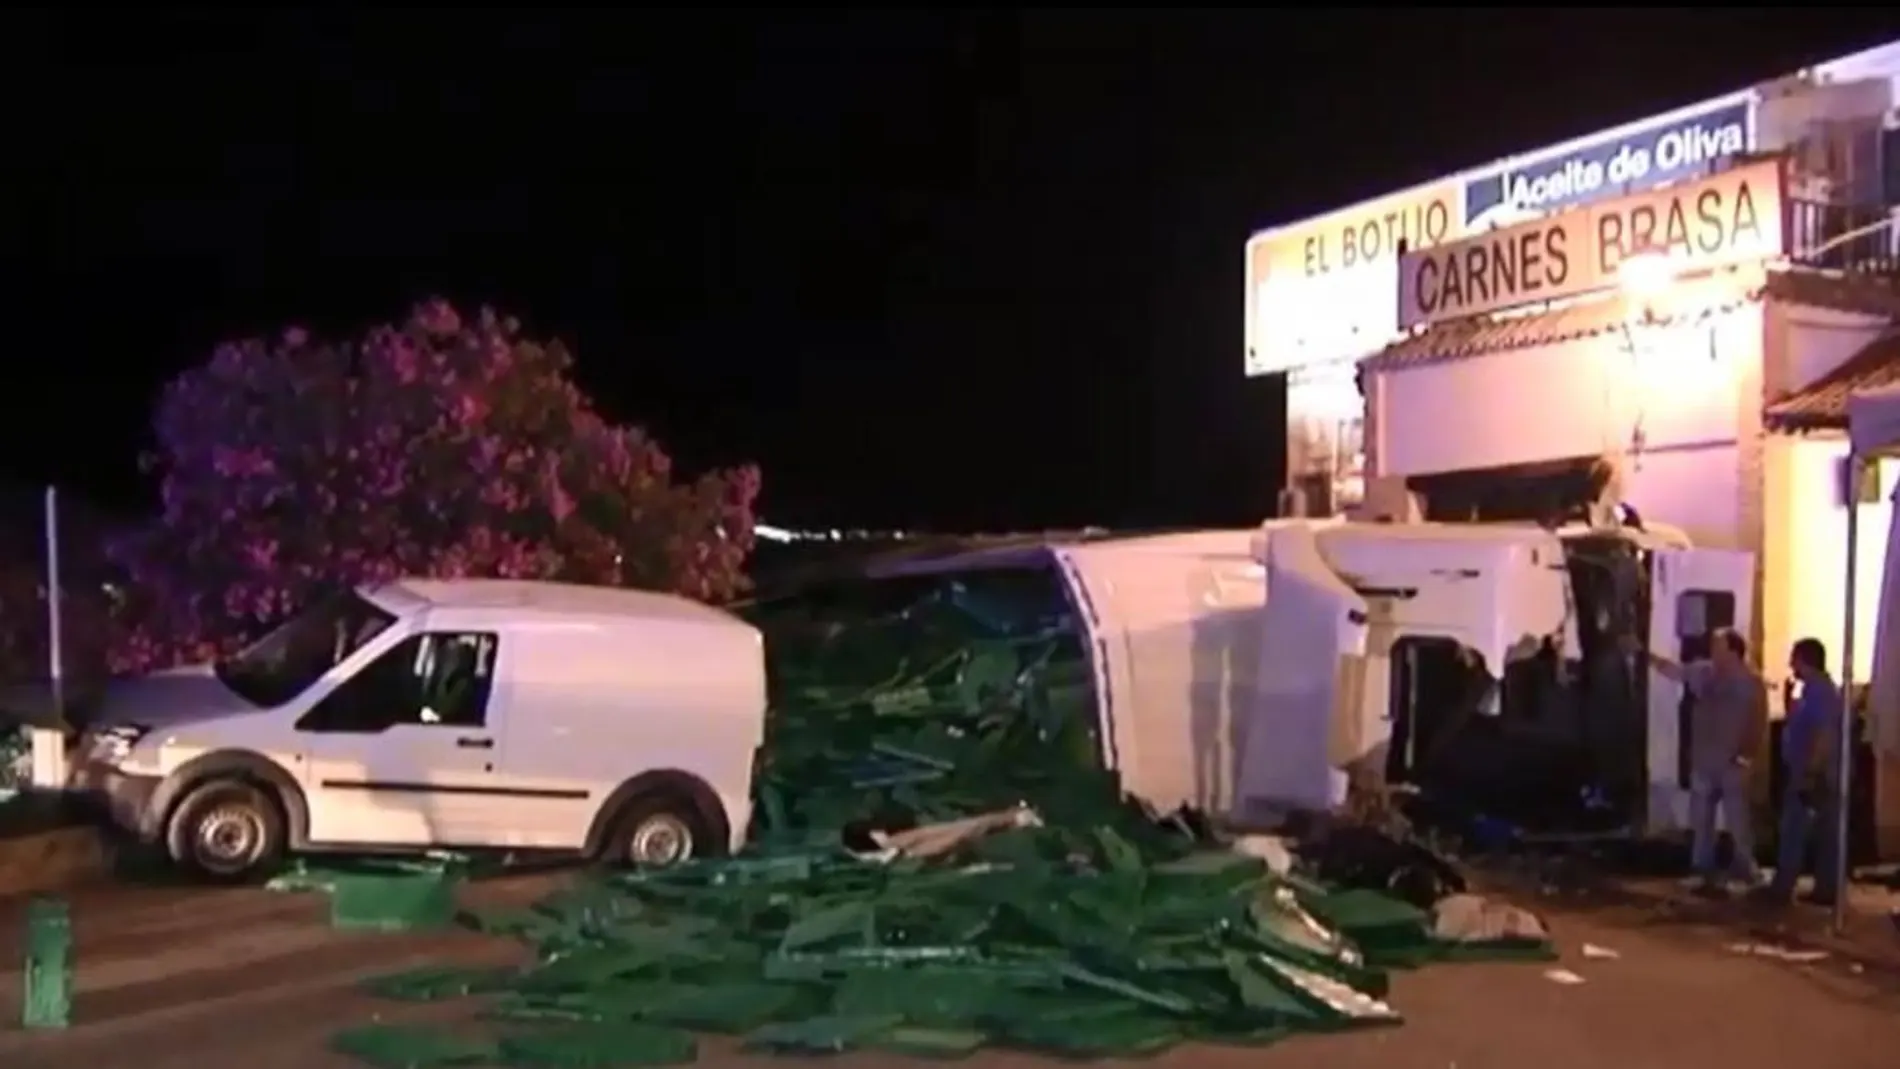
{"x":1874,"y":425}
{"x":1873,"y":421}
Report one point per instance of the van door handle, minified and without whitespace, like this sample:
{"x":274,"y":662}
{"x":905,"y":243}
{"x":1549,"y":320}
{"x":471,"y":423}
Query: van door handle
{"x":469,"y":743}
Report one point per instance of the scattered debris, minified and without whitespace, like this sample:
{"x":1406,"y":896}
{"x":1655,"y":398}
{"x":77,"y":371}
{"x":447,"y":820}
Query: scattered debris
{"x":1407,"y":868}
{"x":47,"y":980}
{"x":1779,"y":953}
{"x":1271,"y":849}
{"x":1072,"y":941}
{"x":381,"y":894}
{"x":940,"y":863}
{"x":936,"y":840}
{"x":393,"y":1047}
{"x":924,"y":712}
{"x":1468,"y":918}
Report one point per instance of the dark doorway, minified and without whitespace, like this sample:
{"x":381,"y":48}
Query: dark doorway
{"x":1549,"y":492}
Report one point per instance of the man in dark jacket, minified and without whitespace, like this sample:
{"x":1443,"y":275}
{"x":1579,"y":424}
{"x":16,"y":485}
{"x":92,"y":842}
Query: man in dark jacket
{"x":1810,"y":756}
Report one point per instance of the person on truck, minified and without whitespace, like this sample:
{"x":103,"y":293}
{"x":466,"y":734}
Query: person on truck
{"x":1723,"y":732}
{"x":1810,"y":754}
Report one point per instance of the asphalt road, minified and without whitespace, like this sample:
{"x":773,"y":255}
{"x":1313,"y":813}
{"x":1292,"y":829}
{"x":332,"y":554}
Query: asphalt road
{"x":186,"y":978}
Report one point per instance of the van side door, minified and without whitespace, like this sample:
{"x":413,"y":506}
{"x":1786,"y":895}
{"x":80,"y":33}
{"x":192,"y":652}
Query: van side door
{"x":401,"y":754}
{"x":1693,"y":593}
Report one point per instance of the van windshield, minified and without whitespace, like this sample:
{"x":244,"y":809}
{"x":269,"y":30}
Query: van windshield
{"x":281,"y":665}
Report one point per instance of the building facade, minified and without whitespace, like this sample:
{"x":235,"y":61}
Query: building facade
{"x":1319,"y":292}
{"x":1667,"y":317}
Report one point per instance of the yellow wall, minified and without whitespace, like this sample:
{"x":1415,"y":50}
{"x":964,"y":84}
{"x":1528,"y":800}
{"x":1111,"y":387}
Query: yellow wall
{"x":1804,"y":552}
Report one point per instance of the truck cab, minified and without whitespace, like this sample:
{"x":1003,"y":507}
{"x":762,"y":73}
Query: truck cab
{"x":420,"y":714}
{"x":1485,"y":666}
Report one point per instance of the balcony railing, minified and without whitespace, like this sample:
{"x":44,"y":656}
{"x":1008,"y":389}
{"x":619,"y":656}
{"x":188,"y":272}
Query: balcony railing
{"x":1843,"y":237}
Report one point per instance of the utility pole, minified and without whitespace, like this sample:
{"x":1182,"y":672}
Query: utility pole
{"x":49,"y":744}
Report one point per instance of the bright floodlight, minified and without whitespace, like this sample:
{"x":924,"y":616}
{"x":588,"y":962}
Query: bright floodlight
{"x":1645,"y":275}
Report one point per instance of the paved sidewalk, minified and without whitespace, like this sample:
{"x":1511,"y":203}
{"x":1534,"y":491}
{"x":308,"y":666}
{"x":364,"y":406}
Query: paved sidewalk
{"x":1581,"y":883}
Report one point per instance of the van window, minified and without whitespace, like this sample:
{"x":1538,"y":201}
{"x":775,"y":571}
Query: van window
{"x":441,"y":679}
{"x":281,"y":665}
{"x":455,"y":672}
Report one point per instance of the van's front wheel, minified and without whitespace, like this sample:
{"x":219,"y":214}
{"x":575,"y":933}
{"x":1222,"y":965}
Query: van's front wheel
{"x":226,"y":830}
{"x":655,"y":832}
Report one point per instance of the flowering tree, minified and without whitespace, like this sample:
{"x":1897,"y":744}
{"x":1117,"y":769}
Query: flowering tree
{"x":439,"y":447}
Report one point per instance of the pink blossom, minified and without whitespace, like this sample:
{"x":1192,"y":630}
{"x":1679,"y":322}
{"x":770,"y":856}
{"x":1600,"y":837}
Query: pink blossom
{"x":468,"y":409}
{"x":289,"y":467}
{"x":261,"y":555}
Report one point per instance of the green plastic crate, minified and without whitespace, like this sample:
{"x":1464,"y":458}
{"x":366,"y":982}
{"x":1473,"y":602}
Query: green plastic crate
{"x":392,"y":898}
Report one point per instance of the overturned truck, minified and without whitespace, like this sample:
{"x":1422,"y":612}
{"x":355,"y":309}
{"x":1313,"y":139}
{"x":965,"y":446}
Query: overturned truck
{"x":1486,"y":667}
{"x":1009,"y":669}
{"x":1249,"y":673}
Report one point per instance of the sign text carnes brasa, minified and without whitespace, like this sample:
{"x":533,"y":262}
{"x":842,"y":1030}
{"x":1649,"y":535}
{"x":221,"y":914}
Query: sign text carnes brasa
{"x":1694,"y":224}
{"x":1731,"y":217}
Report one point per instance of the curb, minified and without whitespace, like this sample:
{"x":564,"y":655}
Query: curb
{"x":51,"y":860}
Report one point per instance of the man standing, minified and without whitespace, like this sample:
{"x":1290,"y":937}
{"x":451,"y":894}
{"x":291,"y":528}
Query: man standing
{"x":1810,"y":753}
{"x":1729,"y":704}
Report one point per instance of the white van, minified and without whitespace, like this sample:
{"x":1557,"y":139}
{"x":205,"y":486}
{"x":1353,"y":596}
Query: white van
{"x":485,"y":714}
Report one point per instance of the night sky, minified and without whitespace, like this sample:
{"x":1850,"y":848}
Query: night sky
{"x":967,"y":271}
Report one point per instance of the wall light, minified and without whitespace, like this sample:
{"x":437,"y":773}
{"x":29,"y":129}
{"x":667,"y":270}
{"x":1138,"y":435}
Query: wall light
{"x":1644,"y":277}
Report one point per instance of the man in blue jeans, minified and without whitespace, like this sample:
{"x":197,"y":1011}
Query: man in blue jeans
{"x":1730,"y":702}
{"x":1810,"y":754}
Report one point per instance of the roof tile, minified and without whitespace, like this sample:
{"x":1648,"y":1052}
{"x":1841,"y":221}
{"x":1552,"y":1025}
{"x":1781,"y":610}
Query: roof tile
{"x":1822,"y":404}
{"x":1459,"y":339}
{"x":1694,"y":301}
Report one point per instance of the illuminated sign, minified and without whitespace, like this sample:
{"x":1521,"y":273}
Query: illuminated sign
{"x":1322,"y":290}
{"x":1729,"y":218}
{"x":1627,"y":160}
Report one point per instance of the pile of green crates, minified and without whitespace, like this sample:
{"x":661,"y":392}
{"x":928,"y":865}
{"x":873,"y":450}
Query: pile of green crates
{"x":1101,"y":932}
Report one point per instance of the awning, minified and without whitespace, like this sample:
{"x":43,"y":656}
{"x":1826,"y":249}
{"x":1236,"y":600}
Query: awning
{"x":1690,"y":301}
{"x":1823,"y":403}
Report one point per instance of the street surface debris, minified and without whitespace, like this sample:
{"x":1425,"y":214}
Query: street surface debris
{"x":1083,"y":942}
{"x":1779,"y":953}
{"x":939,"y":863}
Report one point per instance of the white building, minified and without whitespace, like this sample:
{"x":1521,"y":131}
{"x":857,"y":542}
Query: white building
{"x":1319,"y":292}
{"x":1506,"y":364}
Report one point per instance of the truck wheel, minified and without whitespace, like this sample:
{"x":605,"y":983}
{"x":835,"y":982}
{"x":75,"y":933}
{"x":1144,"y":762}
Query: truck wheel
{"x":656,"y":831}
{"x":226,"y":830}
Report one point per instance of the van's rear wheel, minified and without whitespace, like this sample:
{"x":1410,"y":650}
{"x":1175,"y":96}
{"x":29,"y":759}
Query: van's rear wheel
{"x":226,"y":830}
{"x":657,"y":831}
